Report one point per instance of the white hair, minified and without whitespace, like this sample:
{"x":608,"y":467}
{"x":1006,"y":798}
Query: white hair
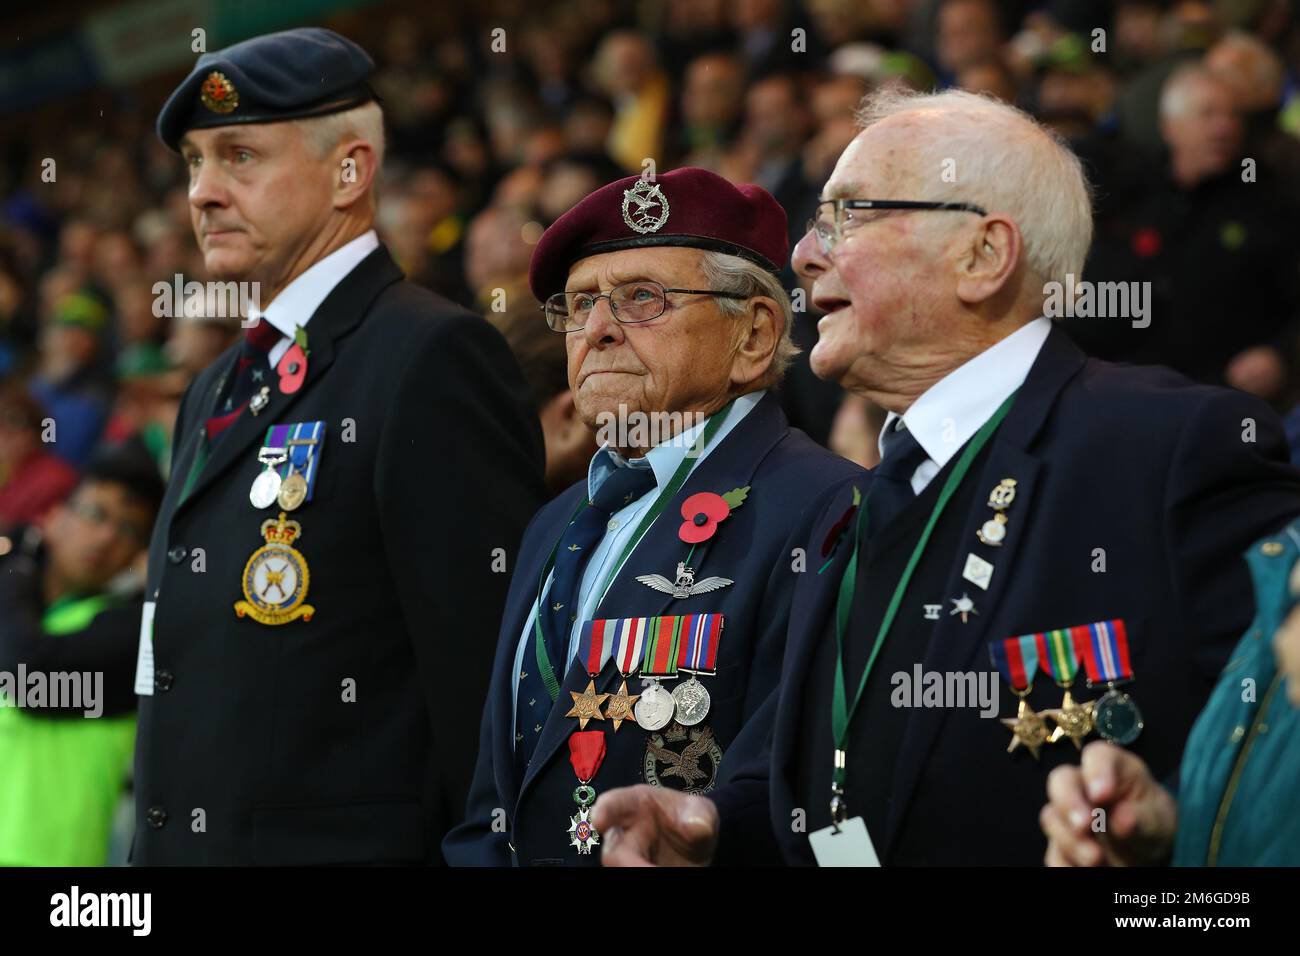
{"x":366,"y":122}
{"x":728,"y":273}
{"x":1175,"y":95}
{"x":1002,"y":159}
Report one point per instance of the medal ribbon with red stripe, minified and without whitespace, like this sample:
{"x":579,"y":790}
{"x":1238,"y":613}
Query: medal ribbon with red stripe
{"x":663,"y":646}
{"x":1016,"y":659}
{"x":596,"y":644}
{"x":1104,"y":648}
{"x":700,"y":649}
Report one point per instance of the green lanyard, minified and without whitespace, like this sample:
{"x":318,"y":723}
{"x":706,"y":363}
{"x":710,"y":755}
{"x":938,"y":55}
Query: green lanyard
{"x":841,"y":713}
{"x":544,"y":665}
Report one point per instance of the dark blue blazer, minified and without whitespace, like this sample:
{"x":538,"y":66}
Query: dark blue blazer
{"x":1173,"y":480}
{"x":786,"y":473}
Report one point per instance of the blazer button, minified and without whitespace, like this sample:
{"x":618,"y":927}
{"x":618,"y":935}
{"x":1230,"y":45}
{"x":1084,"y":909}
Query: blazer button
{"x":162,"y":680}
{"x":176,"y":555}
{"x":156,"y":816}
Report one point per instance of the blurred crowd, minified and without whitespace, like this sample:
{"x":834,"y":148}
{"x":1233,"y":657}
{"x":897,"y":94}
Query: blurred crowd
{"x":501,"y":117}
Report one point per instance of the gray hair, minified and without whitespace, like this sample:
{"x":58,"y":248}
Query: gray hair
{"x":1175,"y":95}
{"x":1002,"y":159}
{"x":728,"y":273}
{"x":366,"y":121}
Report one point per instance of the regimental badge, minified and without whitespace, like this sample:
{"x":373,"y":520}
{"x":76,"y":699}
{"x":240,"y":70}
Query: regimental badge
{"x":685,"y":585}
{"x":218,"y":94}
{"x":645,"y":208}
{"x":690,"y":756}
{"x":276,"y":577}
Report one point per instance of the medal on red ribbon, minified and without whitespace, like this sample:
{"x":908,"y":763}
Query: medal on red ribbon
{"x":1016,"y":659}
{"x":698,"y":654}
{"x":663,"y":642}
{"x":586,"y":754}
{"x":1105,"y":655}
{"x":626,"y":643}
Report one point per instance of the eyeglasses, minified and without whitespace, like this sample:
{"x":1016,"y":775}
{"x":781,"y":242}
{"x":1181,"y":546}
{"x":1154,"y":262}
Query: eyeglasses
{"x":630,"y":302}
{"x":835,"y":216}
{"x":94,"y":514}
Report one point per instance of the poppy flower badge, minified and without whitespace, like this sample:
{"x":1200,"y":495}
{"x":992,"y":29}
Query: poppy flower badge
{"x":293,"y":365}
{"x":705,"y":510}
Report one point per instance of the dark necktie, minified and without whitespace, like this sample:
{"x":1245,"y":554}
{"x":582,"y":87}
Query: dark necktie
{"x":891,"y":480}
{"x":558,"y":610}
{"x":252,"y":371}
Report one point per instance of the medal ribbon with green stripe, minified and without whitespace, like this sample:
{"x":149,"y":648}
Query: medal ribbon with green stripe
{"x":1060,"y":661}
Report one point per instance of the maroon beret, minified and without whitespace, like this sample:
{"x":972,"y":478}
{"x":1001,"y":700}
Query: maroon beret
{"x":686,"y":207}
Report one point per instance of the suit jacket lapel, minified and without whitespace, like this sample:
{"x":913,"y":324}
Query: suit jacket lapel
{"x":958,"y":646}
{"x":730,"y":465}
{"x":519,"y":605}
{"x":342,"y":309}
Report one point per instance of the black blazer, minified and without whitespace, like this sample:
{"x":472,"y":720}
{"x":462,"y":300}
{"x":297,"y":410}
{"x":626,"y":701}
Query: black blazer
{"x":786,"y":472}
{"x":1161,"y":474}
{"x":247,"y":751}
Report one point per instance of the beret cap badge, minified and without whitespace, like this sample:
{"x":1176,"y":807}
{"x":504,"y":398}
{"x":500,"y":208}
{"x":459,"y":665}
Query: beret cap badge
{"x":651,"y":210}
{"x":218,"y":94}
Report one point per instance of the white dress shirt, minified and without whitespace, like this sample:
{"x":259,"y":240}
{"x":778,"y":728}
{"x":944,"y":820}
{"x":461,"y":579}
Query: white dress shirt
{"x":300,"y":299}
{"x":953,"y":409}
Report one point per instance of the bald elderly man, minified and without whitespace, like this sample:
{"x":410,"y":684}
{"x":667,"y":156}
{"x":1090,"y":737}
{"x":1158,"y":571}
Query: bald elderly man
{"x":346,"y":484}
{"x":647,"y":615}
{"x":1050,"y":549}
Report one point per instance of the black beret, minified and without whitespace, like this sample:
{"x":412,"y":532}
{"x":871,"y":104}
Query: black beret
{"x":280,"y":76}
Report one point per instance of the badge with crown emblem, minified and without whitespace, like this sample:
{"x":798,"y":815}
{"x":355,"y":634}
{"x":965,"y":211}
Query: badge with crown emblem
{"x":218,"y":94}
{"x":276,"y":577}
{"x":645,"y":207}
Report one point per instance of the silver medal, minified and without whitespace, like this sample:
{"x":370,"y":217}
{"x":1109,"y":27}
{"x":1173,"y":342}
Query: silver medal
{"x":692,"y":702}
{"x":266,"y":487}
{"x":654,"y":710}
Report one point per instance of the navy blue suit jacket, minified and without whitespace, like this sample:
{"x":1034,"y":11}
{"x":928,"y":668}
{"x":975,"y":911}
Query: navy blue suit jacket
{"x":786,"y":473}
{"x":1173,"y":481}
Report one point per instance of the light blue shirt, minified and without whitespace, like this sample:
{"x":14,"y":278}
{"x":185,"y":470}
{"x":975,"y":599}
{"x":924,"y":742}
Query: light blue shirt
{"x":663,"y":460}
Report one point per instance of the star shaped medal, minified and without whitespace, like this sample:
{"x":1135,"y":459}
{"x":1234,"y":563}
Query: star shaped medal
{"x":586,"y":706}
{"x":1062,"y":662}
{"x":620,"y":706}
{"x":593,"y":651}
{"x":1016,"y":659}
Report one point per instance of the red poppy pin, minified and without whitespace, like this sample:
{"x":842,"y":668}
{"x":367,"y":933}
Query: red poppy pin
{"x":293,"y":364}
{"x":837,"y":530}
{"x":704,"y":510}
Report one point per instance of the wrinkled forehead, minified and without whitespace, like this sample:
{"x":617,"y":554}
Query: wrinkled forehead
{"x":671,"y":265}
{"x":882,"y":162}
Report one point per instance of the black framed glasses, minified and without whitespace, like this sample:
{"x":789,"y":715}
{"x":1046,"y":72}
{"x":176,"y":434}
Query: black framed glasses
{"x":631,"y":303}
{"x":835,"y":216}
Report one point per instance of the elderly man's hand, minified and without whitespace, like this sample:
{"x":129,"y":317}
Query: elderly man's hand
{"x":1286,"y":647}
{"x":1140,"y":815}
{"x":654,"y":826}
{"x":1260,"y":370}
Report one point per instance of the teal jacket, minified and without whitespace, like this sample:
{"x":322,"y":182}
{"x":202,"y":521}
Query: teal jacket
{"x":1239,"y":789}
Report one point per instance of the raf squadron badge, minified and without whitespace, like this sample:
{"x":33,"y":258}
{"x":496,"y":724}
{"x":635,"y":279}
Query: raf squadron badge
{"x":691,"y":755}
{"x":276,"y":577}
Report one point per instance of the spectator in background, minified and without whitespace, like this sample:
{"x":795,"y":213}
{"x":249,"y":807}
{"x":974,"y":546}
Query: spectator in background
{"x":197,"y":341}
{"x":68,"y":380}
{"x":32,"y":478}
{"x":1256,"y":77}
{"x":1220,"y":261}
{"x":626,"y":70}
{"x":542,"y":358}
{"x":65,"y":767}
{"x":149,"y":390}
{"x":970,"y":33}
{"x":712,"y":101}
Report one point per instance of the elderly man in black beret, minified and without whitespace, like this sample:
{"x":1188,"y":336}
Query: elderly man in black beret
{"x":646,"y":619}
{"x":349,"y":485}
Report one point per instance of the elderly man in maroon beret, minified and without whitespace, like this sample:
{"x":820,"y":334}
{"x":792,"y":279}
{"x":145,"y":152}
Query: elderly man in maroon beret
{"x":646,"y":618}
